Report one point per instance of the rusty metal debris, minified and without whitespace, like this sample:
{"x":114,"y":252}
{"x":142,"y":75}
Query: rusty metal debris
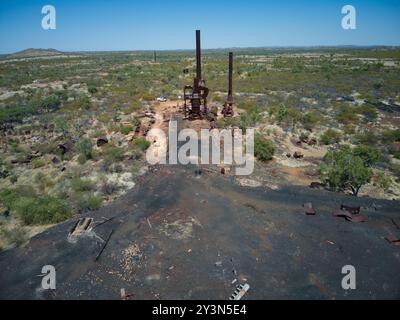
{"x":240,"y":291}
{"x":82,"y":226}
{"x":101,"y":141}
{"x":350,"y":214}
{"x":352,"y":210}
{"x":393,"y":240}
{"x":316,"y":185}
{"x":104,"y":246}
{"x":66,"y":147}
{"x":298,"y":155}
{"x":124,"y":295}
{"x":309,"y":209}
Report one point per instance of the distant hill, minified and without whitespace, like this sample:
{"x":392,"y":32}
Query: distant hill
{"x":31,"y":53}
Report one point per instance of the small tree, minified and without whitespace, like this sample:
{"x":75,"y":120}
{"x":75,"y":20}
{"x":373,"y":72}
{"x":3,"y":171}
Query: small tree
{"x":347,"y":168}
{"x":282,"y":112}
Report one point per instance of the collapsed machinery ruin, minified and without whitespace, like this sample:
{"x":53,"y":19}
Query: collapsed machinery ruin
{"x":195,"y":97}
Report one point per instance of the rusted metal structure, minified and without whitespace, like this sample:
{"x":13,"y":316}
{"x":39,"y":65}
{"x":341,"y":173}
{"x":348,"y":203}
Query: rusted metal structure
{"x":227,"y":109}
{"x":195,"y":97}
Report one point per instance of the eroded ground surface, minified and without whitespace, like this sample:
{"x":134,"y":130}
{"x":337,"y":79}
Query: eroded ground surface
{"x":181,"y":236}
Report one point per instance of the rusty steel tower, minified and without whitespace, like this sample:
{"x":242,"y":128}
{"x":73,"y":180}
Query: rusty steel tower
{"x":227,"y":109}
{"x":195,"y":97}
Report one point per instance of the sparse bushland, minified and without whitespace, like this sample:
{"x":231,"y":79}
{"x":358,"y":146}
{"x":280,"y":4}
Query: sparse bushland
{"x":348,"y":168}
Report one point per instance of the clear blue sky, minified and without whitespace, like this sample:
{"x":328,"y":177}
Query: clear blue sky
{"x":170,"y":24}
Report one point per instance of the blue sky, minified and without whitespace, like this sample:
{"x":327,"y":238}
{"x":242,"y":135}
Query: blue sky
{"x":170,"y":24}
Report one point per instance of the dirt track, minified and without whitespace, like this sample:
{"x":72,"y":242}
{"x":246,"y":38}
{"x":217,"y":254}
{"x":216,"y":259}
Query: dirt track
{"x":181,"y":236}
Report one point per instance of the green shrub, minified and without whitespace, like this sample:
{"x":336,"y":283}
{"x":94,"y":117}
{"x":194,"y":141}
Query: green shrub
{"x":249,"y":119}
{"x":310,"y":119}
{"x":92,"y":89}
{"x":38,"y":163}
{"x":348,"y":115}
{"x":247,"y":104}
{"x":391,"y":135}
{"x":368,"y":111}
{"x":82,"y":159}
{"x":349,"y":129}
{"x":114,"y":154}
{"x":383,"y":181}
{"x":141,"y":143}
{"x":282,"y":113}
{"x":43,"y":181}
{"x":79,"y":185}
{"x":8,"y":197}
{"x":85,"y":147}
{"x":86,"y":201}
{"x":83,"y":102}
{"x":51,"y":102}
{"x":331,"y":136}
{"x":367,"y":137}
{"x":368,"y":154}
{"x":347,"y":169}
{"x":263,"y":149}
{"x":126,"y":129}
{"x":41,"y":210}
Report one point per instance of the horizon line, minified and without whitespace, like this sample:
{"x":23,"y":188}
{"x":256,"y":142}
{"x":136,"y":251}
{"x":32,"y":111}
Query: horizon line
{"x":209,"y":49}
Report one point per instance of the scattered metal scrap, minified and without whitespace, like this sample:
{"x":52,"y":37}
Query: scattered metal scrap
{"x":298,"y":155}
{"x":396,"y":224}
{"x":350,"y":214}
{"x":104,"y":246}
{"x":393,"y":240}
{"x":101,"y":141}
{"x":82,"y":226}
{"x":102,"y":222}
{"x":66,"y":147}
{"x":124,"y":295}
{"x":352,"y":210}
{"x":309,"y":209}
{"x":240,"y":292}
